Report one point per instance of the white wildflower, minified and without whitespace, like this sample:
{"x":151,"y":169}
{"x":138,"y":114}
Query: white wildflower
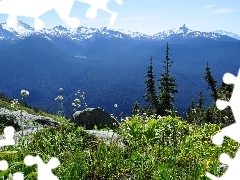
{"x":59,"y":98}
{"x":24,"y":93}
{"x":76,"y":101}
{"x":14,"y":102}
{"x":74,"y":105}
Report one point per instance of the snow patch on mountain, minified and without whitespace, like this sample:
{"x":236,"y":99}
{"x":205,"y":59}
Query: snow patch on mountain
{"x":230,"y":34}
{"x":82,"y":33}
{"x":21,"y":29}
{"x":133,"y":34}
{"x":185,"y":33}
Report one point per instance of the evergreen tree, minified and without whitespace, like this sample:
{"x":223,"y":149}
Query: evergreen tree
{"x":136,"y":108}
{"x":212,"y":114}
{"x":191,"y":107}
{"x":190,"y":116}
{"x":150,"y":97}
{"x":208,"y":116}
{"x":212,"y":84}
{"x":200,"y":100}
{"x":225,"y":91}
{"x":167,"y":88}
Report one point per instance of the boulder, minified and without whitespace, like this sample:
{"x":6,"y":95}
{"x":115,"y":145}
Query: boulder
{"x":13,"y":118}
{"x":88,"y":118}
{"x":27,"y":134}
{"x":108,"y":137}
{"x":94,"y":116}
{"x":31,"y":123}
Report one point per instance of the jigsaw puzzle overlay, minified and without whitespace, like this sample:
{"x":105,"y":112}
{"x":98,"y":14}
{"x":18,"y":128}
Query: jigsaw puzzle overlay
{"x":232,"y":131}
{"x":36,"y":8}
{"x":44,"y":170}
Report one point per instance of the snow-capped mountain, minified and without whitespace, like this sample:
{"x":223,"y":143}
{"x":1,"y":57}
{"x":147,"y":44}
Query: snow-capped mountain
{"x":99,"y":61}
{"x":82,"y":33}
{"x":21,"y":30}
{"x":230,"y":34}
{"x":186,"y":33}
{"x":133,"y":34}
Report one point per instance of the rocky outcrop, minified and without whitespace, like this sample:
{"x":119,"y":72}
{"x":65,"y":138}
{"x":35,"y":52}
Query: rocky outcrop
{"x":31,"y":123}
{"x":109,"y":137}
{"x":13,"y":118}
{"x":94,"y":116}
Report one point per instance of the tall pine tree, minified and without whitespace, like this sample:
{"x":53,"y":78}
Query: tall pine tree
{"x":212,"y":84}
{"x":200,"y":100}
{"x":150,"y":97}
{"x":167,"y":88}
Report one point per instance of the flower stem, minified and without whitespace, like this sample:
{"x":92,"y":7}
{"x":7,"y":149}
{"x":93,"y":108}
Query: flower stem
{"x":21,"y":119}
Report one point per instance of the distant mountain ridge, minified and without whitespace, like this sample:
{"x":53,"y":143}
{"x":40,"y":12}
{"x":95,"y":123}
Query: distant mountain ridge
{"x":82,"y":33}
{"x":108,"y":65}
{"x":230,"y":34}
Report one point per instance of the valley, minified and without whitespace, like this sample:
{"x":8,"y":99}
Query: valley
{"x":108,"y":65}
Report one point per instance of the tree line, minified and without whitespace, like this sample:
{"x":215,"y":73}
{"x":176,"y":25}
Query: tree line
{"x":160,"y":99}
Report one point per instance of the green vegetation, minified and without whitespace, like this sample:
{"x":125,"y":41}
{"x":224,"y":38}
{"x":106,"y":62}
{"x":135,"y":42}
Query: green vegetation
{"x":161,"y":103}
{"x":212,"y":84}
{"x":150,"y":97}
{"x":160,"y":145}
{"x":167,"y":87}
{"x":158,"y":148}
{"x":14,"y":104}
{"x":200,"y":114}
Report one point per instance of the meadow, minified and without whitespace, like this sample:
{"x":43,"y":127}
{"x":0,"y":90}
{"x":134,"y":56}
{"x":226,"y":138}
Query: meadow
{"x":157,"y":148}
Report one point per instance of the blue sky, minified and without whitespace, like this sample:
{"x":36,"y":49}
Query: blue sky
{"x":153,"y":16}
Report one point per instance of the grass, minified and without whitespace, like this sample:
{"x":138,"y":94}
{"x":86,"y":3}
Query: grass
{"x":6,"y":102}
{"x":158,"y":148}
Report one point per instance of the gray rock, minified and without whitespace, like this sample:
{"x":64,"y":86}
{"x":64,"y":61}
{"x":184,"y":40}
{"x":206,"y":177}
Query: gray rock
{"x":105,"y":136}
{"x":27,"y":133}
{"x":94,"y":116}
{"x":31,"y":123}
{"x":13,"y":118}
{"x":108,"y":137}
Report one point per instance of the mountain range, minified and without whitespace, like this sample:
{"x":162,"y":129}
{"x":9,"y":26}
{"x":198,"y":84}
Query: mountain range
{"x":108,"y":65}
{"x":82,"y":33}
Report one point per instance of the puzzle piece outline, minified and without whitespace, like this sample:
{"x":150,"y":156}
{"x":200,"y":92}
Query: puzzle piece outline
{"x":16,"y":8}
{"x":44,"y":170}
{"x":63,"y":8}
{"x":9,"y":134}
{"x":232,"y":172}
{"x":101,"y":4}
{"x":231,"y":131}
